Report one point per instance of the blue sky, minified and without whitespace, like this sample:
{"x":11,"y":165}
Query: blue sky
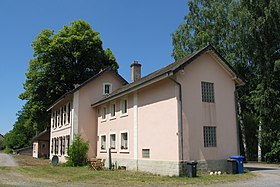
{"x":133,"y":30}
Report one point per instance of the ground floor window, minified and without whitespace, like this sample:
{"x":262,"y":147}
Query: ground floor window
{"x":113,"y":141}
{"x":209,"y":134}
{"x":103,"y":142}
{"x":124,"y":141}
{"x":145,"y":153}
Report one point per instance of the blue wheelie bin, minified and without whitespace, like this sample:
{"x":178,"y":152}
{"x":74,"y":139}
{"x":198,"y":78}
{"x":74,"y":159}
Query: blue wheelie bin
{"x":239,"y":161}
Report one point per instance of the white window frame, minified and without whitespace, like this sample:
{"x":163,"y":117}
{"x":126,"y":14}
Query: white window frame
{"x":120,"y":144}
{"x":111,"y":110}
{"x":105,"y":149}
{"x":103,"y":113}
{"x":116,"y":145}
{"x":110,"y":88}
{"x":122,"y":107}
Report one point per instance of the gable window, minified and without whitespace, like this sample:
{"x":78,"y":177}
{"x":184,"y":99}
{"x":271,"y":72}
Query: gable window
{"x":113,"y":110}
{"x":207,"y":92}
{"x":107,"y":88}
{"x":103,"y":113}
{"x":124,"y":106}
{"x":124,"y":141}
{"x":103,"y":143}
{"x":209,"y":134}
{"x":145,"y":153}
{"x":113,"y":141}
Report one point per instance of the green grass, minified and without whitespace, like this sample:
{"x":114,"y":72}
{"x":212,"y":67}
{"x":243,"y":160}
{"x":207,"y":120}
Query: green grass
{"x":48,"y":175}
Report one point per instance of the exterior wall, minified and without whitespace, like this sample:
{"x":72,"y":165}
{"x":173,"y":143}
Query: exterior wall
{"x":151,"y":123}
{"x":197,"y":114}
{"x":35,"y":149}
{"x":83,"y":117}
{"x":61,"y":131}
{"x":89,"y":94}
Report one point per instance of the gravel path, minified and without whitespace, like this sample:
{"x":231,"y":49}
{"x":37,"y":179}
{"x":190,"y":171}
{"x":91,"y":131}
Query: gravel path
{"x":267,"y":175}
{"x":7,"y":160}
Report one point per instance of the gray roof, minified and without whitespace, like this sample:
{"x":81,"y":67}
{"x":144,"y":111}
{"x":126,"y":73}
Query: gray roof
{"x":169,"y":70}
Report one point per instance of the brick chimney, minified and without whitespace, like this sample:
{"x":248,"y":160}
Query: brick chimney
{"x":135,"y":71}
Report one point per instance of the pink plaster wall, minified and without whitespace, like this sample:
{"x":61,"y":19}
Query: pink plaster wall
{"x":197,"y":114}
{"x":157,"y":124}
{"x":158,"y":121}
{"x":89,"y":94}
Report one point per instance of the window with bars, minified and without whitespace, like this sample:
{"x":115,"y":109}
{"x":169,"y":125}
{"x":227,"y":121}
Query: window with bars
{"x":207,"y":92}
{"x":145,"y":153}
{"x":210,"y":138}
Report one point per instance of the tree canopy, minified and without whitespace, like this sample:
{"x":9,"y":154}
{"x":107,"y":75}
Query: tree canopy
{"x":60,"y":61}
{"x":247,"y":34}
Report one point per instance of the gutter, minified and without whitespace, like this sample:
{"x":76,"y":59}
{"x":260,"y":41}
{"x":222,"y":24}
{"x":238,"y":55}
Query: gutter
{"x":181,"y":115}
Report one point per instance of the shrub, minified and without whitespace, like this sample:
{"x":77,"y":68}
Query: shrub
{"x":274,"y":154}
{"x":77,"y":152}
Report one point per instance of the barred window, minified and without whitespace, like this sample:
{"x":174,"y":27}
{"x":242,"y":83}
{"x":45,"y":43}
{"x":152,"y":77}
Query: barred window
{"x":145,"y":153}
{"x":209,"y":134}
{"x":207,"y":92}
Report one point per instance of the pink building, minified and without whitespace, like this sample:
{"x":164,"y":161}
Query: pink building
{"x":184,"y":111}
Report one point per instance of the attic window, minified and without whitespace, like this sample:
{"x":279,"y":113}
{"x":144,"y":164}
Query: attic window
{"x":107,"y":88}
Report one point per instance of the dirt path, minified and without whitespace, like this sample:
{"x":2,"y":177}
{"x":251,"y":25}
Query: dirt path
{"x":7,"y":160}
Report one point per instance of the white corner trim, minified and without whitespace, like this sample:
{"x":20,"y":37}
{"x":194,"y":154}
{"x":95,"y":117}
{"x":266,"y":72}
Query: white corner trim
{"x":135,"y":125}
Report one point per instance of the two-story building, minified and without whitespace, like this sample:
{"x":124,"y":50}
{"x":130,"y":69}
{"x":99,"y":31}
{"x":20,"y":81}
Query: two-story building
{"x":184,"y":111}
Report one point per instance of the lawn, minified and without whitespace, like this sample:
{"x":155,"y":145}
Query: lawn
{"x":39,"y":172}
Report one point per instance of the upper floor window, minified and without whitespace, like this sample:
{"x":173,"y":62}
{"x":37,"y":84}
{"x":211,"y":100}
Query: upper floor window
{"x":107,"y":88}
{"x":124,"y":106}
{"x":113,"y":110}
{"x":68,"y":112}
{"x":207,"y":92}
{"x":103,"y":113}
{"x":209,"y":135}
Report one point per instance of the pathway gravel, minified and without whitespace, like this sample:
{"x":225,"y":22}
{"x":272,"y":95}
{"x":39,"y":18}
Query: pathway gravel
{"x":7,"y":160}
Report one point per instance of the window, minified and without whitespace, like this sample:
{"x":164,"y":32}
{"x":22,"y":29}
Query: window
{"x":64,"y":115}
{"x":107,"y":88}
{"x":52,"y":146}
{"x":103,"y":113}
{"x":61,"y":116}
{"x":67,"y":143}
{"x":207,"y":90}
{"x":69,"y":113}
{"x":56,"y":145}
{"x":113,"y":141}
{"x":124,"y":106}
{"x":57,"y":119}
{"x":63,"y":145}
{"x":124,"y":141}
{"x":145,"y":153}
{"x":113,"y":110}
{"x":103,"y":143}
{"x":209,"y":134}
{"x":54,"y":119}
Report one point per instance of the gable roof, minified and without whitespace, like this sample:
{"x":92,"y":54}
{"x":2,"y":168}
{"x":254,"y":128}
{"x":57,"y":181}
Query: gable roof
{"x":86,"y":82}
{"x":170,"y":70}
{"x":42,"y":134}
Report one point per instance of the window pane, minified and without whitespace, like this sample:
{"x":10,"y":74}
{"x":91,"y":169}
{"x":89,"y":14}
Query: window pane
{"x":146,"y":153}
{"x":209,"y":134}
{"x":207,"y":92}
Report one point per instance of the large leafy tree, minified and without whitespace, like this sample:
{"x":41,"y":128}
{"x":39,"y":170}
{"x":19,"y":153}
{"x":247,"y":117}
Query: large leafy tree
{"x":60,"y":61}
{"x":246,"y":33}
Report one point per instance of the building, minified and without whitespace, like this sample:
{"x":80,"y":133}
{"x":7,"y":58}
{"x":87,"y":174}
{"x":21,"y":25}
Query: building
{"x":41,"y":145}
{"x":184,"y":111}
{"x":1,"y":140}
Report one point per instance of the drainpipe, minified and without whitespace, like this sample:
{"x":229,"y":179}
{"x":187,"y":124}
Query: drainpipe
{"x":181,"y":115}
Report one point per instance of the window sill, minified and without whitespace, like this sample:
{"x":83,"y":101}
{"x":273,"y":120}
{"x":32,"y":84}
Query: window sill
{"x":113,"y":150}
{"x":124,"y":151}
{"x":103,"y":151}
{"x":124,"y":115}
{"x":112,"y":118}
{"x":103,"y":120}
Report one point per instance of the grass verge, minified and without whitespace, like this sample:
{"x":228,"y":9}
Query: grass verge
{"x":43,"y":174}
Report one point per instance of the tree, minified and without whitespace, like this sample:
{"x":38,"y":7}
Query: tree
{"x":77,"y":153}
{"x":246,"y":33}
{"x":60,"y":61}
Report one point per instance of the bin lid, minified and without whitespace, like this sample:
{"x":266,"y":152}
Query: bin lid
{"x":236,"y":157}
